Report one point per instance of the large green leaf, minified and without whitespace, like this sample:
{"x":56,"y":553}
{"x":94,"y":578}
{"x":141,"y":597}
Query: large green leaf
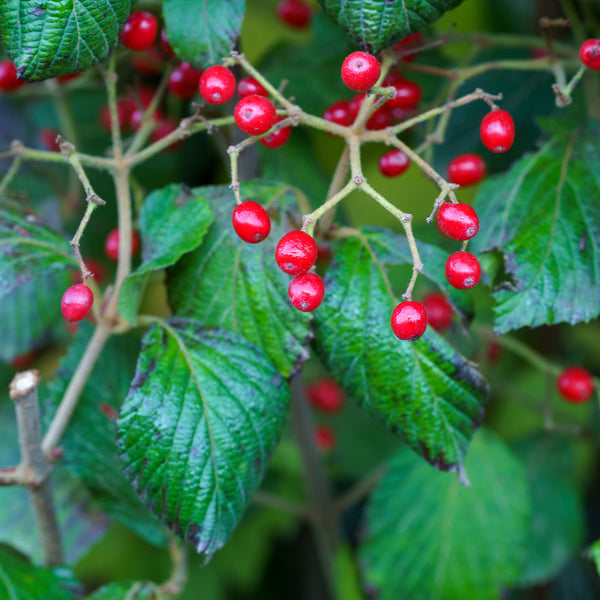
{"x":229,"y":283}
{"x":430,"y":537}
{"x":173,"y":221}
{"x":376,"y":24}
{"x":205,"y":412}
{"x":47,"y":39}
{"x":544,"y":216}
{"x":423,"y":391}
{"x":203,"y":32}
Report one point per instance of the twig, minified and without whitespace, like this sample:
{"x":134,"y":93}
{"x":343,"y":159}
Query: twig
{"x":179,"y":572}
{"x":363,"y":487}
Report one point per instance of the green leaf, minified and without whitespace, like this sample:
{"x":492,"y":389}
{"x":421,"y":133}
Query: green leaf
{"x":203,"y":32}
{"x":204,"y":413}
{"x":376,"y":24}
{"x":173,"y":221}
{"x":229,"y":283}
{"x":65,"y":36}
{"x":424,"y":391}
{"x":89,"y":449}
{"x":430,"y":537}
{"x":128,"y":591}
{"x":544,"y":216}
{"x":21,"y":581}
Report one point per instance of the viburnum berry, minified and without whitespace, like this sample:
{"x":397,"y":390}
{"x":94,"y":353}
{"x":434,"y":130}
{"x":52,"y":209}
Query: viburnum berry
{"x":414,"y":39}
{"x":254,"y":115}
{"x":278,"y":137}
{"x":139,"y":31}
{"x":295,"y":13}
{"x":575,"y":385}
{"x":325,"y":438}
{"x":125,"y":108}
{"x":251,"y":222}
{"x":248,"y":86}
{"x":111,"y":245}
{"x":589,"y":53}
{"x":163,"y":129}
{"x":457,"y":221}
{"x":393,"y":163}
{"x":96,"y":268}
{"x":408,"y":93}
{"x":76,"y":302}
{"x":217,"y":85}
{"x":497,"y":131}
{"x":22,"y":361}
{"x":463,"y":270}
{"x":296,"y":252}
{"x":8,"y":76}
{"x":306,"y":291}
{"x":360,"y":71}
{"x":338,"y":112}
{"x":439,"y":311}
{"x":409,"y":320}
{"x":326,"y":395}
{"x":354,"y":106}
{"x":48,"y":139}
{"x":466,"y":169}
{"x":380,"y":119}
{"x":149,"y":63}
{"x":184,"y":80}
{"x":136,"y":118}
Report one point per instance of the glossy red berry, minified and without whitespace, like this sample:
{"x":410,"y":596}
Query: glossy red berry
{"x":111,"y":245}
{"x":248,"y":86}
{"x":8,"y":76}
{"x":76,"y":302}
{"x":457,"y":221}
{"x":497,"y":131}
{"x":338,"y":112}
{"x":393,"y":163}
{"x":251,"y":222}
{"x":380,"y":119}
{"x":254,"y":115}
{"x":466,"y":169}
{"x":439,"y":311}
{"x":589,"y":53}
{"x":278,"y":137}
{"x":463,"y":270}
{"x":325,"y":439}
{"x":294,"y":13}
{"x":575,"y":385}
{"x":326,"y":395}
{"x":409,"y":320}
{"x":184,"y":80}
{"x":360,"y":71}
{"x":410,"y":41}
{"x":140,"y":30}
{"x":306,"y":291}
{"x":296,"y":252}
{"x":217,"y":85}
{"x":408,"y":93}
{"x":48,"y":139}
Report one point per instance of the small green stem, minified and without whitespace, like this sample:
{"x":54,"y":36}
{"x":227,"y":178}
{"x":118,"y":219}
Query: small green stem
{"x":309,"y":221}
{"x":10,"y":174}
{"x":110,"y":80}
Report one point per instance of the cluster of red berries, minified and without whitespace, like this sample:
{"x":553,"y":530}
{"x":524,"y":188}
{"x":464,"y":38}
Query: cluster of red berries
{"x":328,"y":398}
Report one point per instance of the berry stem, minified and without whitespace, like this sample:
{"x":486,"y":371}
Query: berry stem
{"x":563,"y":92}
{"x":177,"y":581}
{"x":309,"y":221}
{"x":337,"y":182}
{"x":110,"y":80}
{"x":10,"y":174}
{"x":234,"y":153}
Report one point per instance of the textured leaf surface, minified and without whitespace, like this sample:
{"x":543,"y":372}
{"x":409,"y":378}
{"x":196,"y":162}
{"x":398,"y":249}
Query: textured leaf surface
{"x":544,"y":215}
{"x":173,"y":221}
{"x":423,"y":391}
{"x":376,"y":24}
{"x":203,"y":32}
{"x":430,"y":537}
{"x":238,"y":286}
{"x":47,"y":39}
{"x":89,"y":449}
{"x":205,"y":411}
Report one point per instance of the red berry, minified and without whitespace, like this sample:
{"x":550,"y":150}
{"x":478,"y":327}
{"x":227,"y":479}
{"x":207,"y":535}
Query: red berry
{"x":163,"y":42}
{"x":217,"y":85}
{"x":457,"y":221}
{"x":96,"y":268}
{"x":76,"y":302}
{"x":163,"y":129}
{"x":575,"y":385}
{"x":393,"y":163}
{"x":324,"y":438}
{"x":139,"y":31}
{"x":414,"y":39}
{"x":278,"y":137}
{"x":149,"y":63}
{"x":248,"y":86}
{"x":360,"y":71}
{"x":380,"y":119}
{"x":254,"y":115}
{"x":326,"y":395}
{"x":48,"y":139}
{"x":111,"y":245}
{"x":590,"y":54}
{"x":22,"y":361}
{"x":8,"y":76}
{"x":295,"y":13}
{"x":184,"y":80}
{"x":497,"y":131}
{"x":409,"y":320}
{"x":439,"y":311}
{"x":306,"y":291}
{"x":466,"y":169}
{"x":125,"y":108}
{"x":354,"y":106}
{"x":408,"y":93}
{"x":338,"y":113}
{"x":251,"y":222}
{"x":463,"y":270}
{"x":296,"y":252}
{"x":136,"y":117}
